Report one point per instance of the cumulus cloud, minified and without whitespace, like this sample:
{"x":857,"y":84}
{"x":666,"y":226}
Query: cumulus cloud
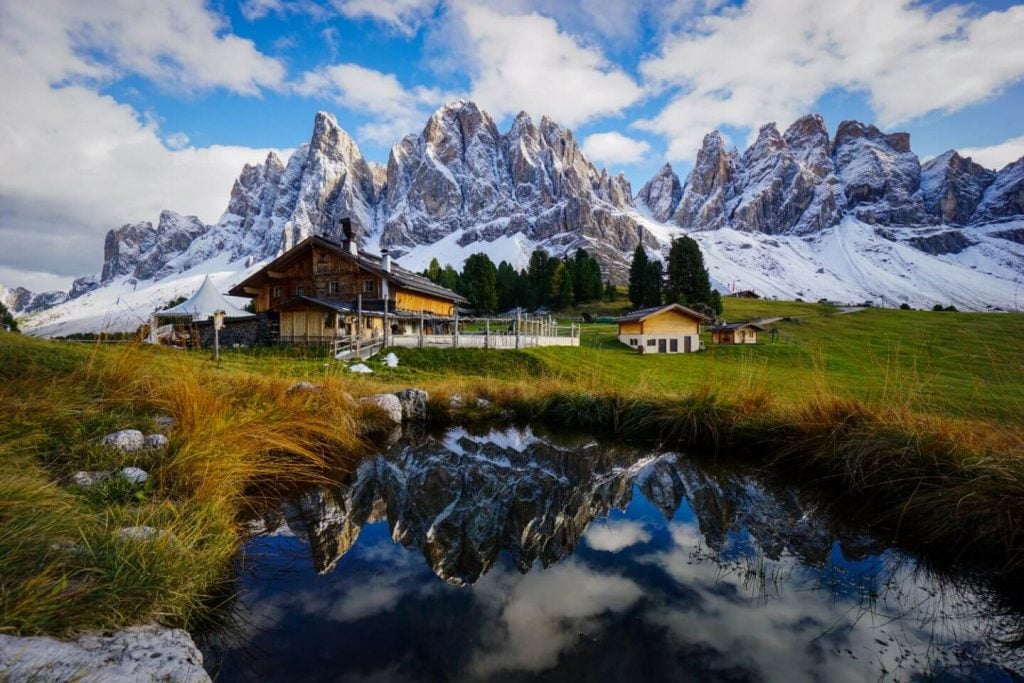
{"x":743,"y":66}
{"x":615,"y":148}
{"x":532,"y":619}
{"x":404,"y":16}
{"x":526,"y":62}
{"x":395,"y":109}
{"x":615,"y":536}
{"x":998,"y":155}
{"x":179,"y":45}
{"x":76,"y":162}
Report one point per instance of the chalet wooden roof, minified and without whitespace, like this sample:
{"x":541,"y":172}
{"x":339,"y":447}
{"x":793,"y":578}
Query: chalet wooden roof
{"x":737,"y":326}
{"x":406,"y":279}
{"x":644,"y":313}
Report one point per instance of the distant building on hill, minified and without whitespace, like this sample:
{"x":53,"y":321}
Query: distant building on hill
{"x":662,"y":329}
{"x":735,"y":333}
{"x":745,"y":294}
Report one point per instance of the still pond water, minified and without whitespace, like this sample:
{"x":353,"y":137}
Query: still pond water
{"x":519,"y":555}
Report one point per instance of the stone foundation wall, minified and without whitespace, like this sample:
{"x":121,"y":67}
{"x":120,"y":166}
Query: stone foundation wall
{"x":250,"y":331}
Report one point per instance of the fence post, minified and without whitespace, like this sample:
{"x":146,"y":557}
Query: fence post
{"x":421,"y":328}
{"x":517,"y":327}
{"x":455,"y":332}
{"x":487,"y":333}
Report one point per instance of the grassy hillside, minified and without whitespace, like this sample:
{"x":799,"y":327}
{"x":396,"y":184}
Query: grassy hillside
{"x":968,"y":365}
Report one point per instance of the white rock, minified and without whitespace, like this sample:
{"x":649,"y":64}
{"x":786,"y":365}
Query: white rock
{"x":302,"y":386}
{"x":389,"y":403}
{"x":126,"y":440}
{"x":136,"y":654}
{"x":133,"y":475}
{"x":87,"y":479}
{"x":414,"y":404}
{"x":483,"y":403}
{"x":156,"y":442}
{"x":456,"y":402}
{"x":361,"y":368}
{"x":391,"y":360}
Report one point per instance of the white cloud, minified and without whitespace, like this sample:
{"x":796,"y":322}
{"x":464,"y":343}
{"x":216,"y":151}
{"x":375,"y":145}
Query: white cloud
{"x":615,"y":536}
{"x":77,"y":163}
{"x":395,"y":109}
{"x":525,"y":62}
{"x":176,"y":141}
{"x":404,"y":16}
{"x":178,"y":45}
{"x":614,"y":148}
{"x":773,"y":59}
{"x":532,"y":619}
{"x":998,"y":155}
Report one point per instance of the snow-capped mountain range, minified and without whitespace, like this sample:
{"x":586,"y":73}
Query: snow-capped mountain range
{"x":798,"y":214}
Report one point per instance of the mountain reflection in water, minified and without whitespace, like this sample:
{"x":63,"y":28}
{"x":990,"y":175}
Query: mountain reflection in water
{"x":508,"y":555}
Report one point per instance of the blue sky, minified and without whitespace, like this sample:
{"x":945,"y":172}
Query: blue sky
{"x":126,"y":107}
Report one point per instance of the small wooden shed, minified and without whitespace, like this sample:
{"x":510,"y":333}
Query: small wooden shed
{"x":735,"y":333}
{"x":662,"y":329}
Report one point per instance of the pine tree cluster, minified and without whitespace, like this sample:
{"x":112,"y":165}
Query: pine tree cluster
{"x":548,"y":281}
{"x":685,"y":280}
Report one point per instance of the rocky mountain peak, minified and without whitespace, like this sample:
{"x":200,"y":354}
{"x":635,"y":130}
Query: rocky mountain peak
{"x":880,"y":175}
{"x":709,"y":186}
{"x":953,"y":186}
{"x":768,"y":141}
{"x":661,"y":194}
{"x":1004,"y":197}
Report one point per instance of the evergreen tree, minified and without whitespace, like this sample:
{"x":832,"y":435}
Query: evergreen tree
{"x":508,"y":286}
{"x":611,"y":292}
{"x":561,"y":286}
{"x":716,"y":302}
{"x":433,"y":271}
{"x":449,"y":278}
{"x":479,"y":283}
{"x":538,"y":277}
{"x":586,"y":277}
{"x":652,"y":284}
{"x":7,"y":319}
{"x":637,"y":276}
{"x":687,"y":279}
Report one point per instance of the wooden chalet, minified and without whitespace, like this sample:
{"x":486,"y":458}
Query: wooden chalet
{"x":662,"y":329}
{"x":735,"y":333}
{"x":321,"y":291}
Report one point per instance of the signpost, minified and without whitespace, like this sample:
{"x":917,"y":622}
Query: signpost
{"x":218,"y":324}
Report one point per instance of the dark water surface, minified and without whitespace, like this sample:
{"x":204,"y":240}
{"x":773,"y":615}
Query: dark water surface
{"x":511,"y":555}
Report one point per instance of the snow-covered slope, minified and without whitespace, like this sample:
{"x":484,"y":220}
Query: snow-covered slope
{"x":124,"y":304}
{"x":855,"y":262}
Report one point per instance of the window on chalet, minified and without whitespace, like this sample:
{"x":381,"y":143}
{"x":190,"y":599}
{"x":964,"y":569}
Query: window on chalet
{"x":275,"y":292}
{"x":323,"y":257}
{"x":300,"y":291}
{"x":332,"y":287}
{"x":652,"y":342}
{"x":369,"y":287}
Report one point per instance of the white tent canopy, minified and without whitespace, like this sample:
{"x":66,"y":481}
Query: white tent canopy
{"x":203,"y":304}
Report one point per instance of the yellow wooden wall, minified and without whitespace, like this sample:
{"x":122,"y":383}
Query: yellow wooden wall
{"x":671,"y":322}
{"x":414,"y":301}
{"x":629,"y":328}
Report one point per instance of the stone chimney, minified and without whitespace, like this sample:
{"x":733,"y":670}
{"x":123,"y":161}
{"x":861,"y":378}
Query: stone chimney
{"x":385,"y":261}
{"x":351,"y":236}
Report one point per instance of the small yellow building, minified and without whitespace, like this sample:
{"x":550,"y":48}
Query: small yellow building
{"x":735,"y":333}
{"x":662,"y":329}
